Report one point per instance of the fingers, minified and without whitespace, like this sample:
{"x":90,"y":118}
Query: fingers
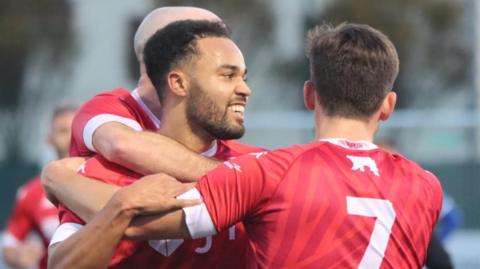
{"x":181,"y":203}
{"x":181,"y":188}
{"x":73,"y":163}
{"x":166,"y":205}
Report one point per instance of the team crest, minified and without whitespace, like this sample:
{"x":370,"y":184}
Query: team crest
{"x":360,"y":162}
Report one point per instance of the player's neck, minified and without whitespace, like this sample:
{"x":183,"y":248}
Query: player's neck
{"x":176,"y":126}
{"x":149,"y":96}
{"x":351,"y":129}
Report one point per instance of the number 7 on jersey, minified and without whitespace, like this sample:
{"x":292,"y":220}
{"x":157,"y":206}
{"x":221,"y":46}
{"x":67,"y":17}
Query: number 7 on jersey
{"x":384,"y":214}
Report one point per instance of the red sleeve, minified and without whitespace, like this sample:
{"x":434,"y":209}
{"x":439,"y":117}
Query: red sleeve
{"x":20,"y":223}
{"x":66,"y":215}
{"x":239,"y":189}
{"x":100,"y":109}
{"x":437,"y":197}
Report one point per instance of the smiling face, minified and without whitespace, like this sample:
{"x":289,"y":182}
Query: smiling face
{"x":218,"y":90}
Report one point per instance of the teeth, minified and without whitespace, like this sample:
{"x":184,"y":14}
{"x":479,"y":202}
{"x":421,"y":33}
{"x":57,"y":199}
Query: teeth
{"x":237,"y":108}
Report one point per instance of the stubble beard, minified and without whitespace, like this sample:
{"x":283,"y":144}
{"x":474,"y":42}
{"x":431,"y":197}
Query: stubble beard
{"x":204,"y":112}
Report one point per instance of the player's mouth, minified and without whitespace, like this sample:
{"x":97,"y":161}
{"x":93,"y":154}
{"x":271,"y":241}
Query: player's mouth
{"x":238,"y":110}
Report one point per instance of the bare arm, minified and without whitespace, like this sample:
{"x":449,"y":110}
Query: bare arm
{"x":153,"y":221}
{"x":148,"y":153}
{"x":84,"y":250}
{"x":25,"y":255}
{"x":84,"y":196}
{"x":61,"y":181}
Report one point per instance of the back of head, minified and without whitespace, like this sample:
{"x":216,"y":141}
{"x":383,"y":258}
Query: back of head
{"x":175,"y":46}
{"x":160,"y":17}
{"x":353,"y":67}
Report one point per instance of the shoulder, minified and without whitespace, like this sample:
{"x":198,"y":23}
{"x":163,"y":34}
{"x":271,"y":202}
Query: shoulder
{"x":273,"y":162}
{"x":412,"y":167}
{"x":415,"y":172}
{"x":115,"y":96}
{"x":116,"y":93}
{"x":292,"y":153}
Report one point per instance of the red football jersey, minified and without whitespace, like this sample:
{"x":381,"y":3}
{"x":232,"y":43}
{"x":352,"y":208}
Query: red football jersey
{"x":32,"y":212}
{"x":225,"y":250}
{"x":328,"y":204}
{"x":119,"y":106}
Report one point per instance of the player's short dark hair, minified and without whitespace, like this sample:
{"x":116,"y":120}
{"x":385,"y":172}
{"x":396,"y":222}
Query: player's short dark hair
{"x":174,"y":45}
{"x":352,"y":66}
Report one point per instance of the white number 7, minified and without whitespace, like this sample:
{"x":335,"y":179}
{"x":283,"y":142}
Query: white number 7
{"x":384,"y":213}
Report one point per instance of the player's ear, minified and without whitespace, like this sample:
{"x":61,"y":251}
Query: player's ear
{"x":309,"y":95}
{"x":177,"y":83}
{"x":388,"y":105}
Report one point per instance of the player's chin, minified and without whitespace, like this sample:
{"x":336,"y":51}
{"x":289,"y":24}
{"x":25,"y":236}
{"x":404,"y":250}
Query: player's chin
{"x":238,"y":117}
{"x":236,"y":131}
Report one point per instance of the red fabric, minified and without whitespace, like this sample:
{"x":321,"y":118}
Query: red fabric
{"x":293,"y":203}
{"x":33,"y":212}
{"x":117,"y":102}
{"x":224,"y":252}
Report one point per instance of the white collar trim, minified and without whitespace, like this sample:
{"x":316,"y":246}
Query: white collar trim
{"x":351,"y":144}
{"x":149,"y":112}
{"x":212,"y":150}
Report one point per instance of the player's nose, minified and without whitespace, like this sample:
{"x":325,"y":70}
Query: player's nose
{"x":243,"y":89}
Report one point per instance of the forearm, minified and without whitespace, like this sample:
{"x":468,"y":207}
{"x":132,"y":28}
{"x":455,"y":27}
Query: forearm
{"x":159,"y":213}
{"x":10,"y":256}
{"x":82,"y":195}
{"x":160,"y":226}
{"x":16,"y":258}
{"x":85,"y":249}
{"x":149,"y":153}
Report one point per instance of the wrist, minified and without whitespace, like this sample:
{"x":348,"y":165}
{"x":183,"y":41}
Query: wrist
{"x":121,"y":204}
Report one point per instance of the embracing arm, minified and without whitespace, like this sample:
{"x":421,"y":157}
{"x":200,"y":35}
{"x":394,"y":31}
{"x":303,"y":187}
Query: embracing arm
{"x":148,"y":152}
{"x":84,"y":196}
{"x":84,"y":249}
{"x":25,"y":254}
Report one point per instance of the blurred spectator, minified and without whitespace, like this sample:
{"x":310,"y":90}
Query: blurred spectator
{"x":32,"y":210}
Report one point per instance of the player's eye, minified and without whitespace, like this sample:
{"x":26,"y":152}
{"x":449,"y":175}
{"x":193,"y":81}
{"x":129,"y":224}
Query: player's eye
{"x":228,"y":75}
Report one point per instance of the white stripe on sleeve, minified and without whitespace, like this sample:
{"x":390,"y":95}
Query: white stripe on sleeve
{"x":64,"y":231}
{"x":197,"y":218}
{"x":98,"y":120}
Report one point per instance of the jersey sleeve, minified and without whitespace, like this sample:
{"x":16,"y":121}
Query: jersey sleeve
{"x":70,"y":223}
{"x":436,"y":196}
{"x":240,"y":188}
{"x":99,"y":110}
{"x":66,"y":215}
{"x":19,"y":224}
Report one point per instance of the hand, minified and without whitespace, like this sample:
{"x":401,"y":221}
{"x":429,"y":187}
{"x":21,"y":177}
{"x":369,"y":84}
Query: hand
{"x":32,"y":252}
{"x":154,"y":194}
{"x":25,"y":255}
{"x":57,"y":171}
{"x":72,"y":163}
